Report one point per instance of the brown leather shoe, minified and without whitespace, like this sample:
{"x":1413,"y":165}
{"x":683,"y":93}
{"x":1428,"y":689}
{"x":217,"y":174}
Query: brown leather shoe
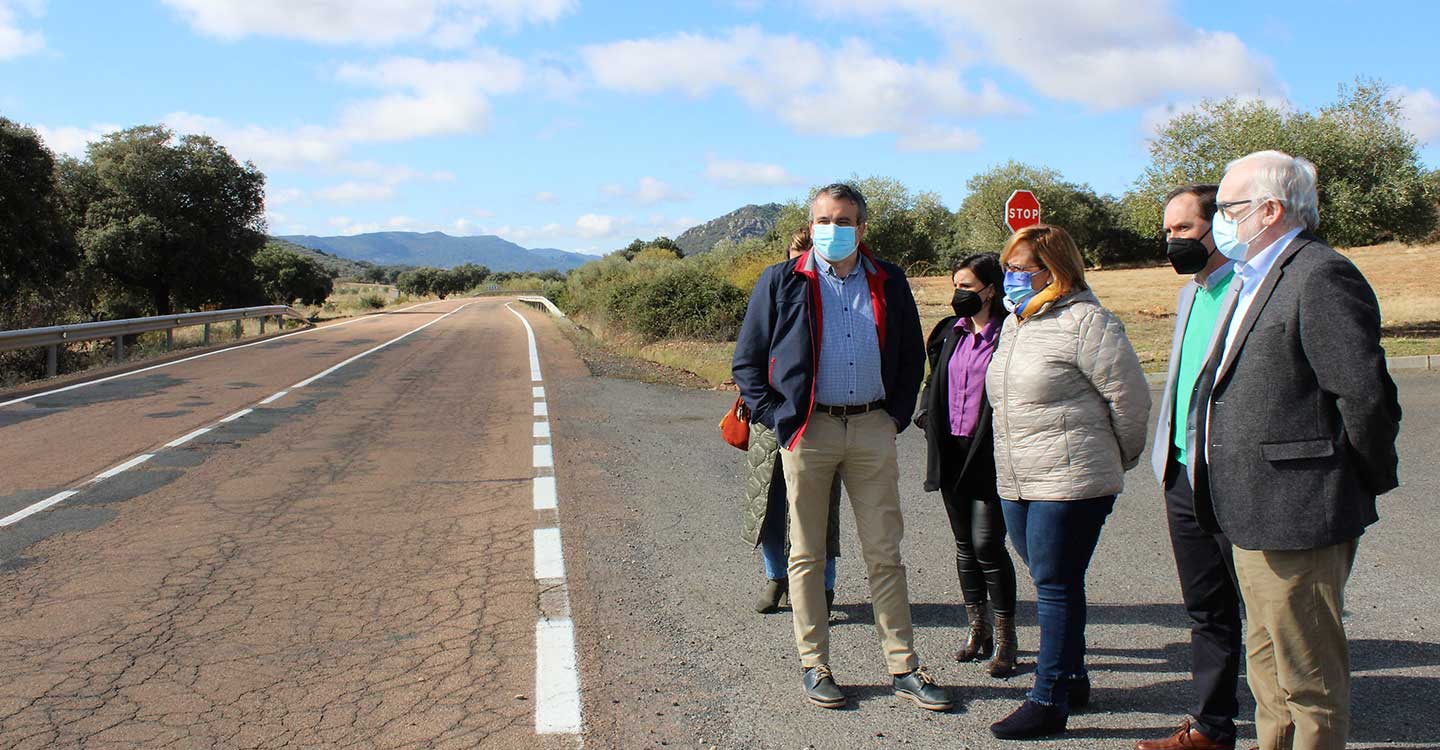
{"x":1187,"y":737}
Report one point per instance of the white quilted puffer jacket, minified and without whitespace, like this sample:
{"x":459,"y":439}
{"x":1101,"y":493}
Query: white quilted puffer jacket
{"x":1071,"y":403}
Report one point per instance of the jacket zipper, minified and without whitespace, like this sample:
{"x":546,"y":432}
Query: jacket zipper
{"x":1005,"y":403}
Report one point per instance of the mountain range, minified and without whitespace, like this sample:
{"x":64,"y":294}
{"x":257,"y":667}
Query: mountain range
{"x":339,"y":254}
{"x":442,"y":250}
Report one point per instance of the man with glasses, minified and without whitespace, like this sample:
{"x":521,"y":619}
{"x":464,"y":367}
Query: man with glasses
{"x":1202,"y":558}
{"x":1294,"y":419}
{"x":830,"y":357}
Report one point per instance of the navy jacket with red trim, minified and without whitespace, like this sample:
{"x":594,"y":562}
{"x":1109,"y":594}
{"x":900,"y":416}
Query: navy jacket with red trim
{"x":778,"y":351}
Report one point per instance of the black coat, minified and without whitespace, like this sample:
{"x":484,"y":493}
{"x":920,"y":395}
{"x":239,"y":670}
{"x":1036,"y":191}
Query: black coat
{"x":935,"y":404}
{"x":1304,"y":414}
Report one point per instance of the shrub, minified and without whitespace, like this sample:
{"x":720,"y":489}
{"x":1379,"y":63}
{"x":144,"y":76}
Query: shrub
{"x":371,"y":301}
{"x":679,"y":302}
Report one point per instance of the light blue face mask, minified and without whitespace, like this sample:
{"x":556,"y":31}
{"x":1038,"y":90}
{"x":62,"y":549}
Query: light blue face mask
{"x":834,"y":243}
{"x":1226,"y":232}
{"x":1018,"y":290}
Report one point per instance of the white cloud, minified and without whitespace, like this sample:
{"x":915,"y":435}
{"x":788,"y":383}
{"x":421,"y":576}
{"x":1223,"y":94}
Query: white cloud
{"x":1422,"y":112}
{"x":268,"y":147}
{"x":349,"y":192}
{"x":939,"y":139}
{"x":446,"y":23}
{"x":73,"y":141}
{"x":15,"y":41}
{"x":595,"y":226}
{"x":797,"y":81}
{"x":425,"y":97}
{"x":526,"y":235}
{"x":344,"y":225}
{"x":746,"y":173}
{"x":282,"y":196}
{"x":545,"y":196}
{"x":1103,"y":53}
{"x":647,"y":192}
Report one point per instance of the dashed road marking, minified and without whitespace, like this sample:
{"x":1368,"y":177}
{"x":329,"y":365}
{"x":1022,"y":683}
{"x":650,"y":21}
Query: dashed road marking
{"x":557,"y":678}
{"x":544,"y":494}
{"x":538,"y":391}
{"x":541,"y":410}
{"x":549,"y":557}
{"x":140,"y":459}
{"x":542,"y":430}
{"x":543,"y":456}
{"x":272,"y":339}
{"x":122,"y":468}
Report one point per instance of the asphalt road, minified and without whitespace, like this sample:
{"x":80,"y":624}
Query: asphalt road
{"x":354,"y":565}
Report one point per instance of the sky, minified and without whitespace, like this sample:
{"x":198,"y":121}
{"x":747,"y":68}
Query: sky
{"x":581,"y":124}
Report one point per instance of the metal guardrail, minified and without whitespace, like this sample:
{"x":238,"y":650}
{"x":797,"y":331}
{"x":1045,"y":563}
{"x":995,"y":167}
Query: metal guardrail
{"x":54,"y":337}
{"x":544,"y":304}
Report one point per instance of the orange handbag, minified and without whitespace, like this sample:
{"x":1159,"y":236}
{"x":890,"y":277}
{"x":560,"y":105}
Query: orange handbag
{"x":735,"y":427}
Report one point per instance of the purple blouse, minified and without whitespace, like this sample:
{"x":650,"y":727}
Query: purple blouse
{"x":967,"y":374}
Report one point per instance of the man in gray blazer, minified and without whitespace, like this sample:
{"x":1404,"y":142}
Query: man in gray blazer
{"x":1202,"y":556}
{"x":1295,"y":416}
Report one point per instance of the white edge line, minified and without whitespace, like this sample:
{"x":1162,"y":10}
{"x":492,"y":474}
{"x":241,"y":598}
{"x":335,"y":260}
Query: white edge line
{"x":59,"y":497}
{"x":272,"y":339}
{"x":549,"y":554}
{"x":22,"y":514}
{"x":177,"y":442}
{"x":557,"y":678}
{"x":272,"y":398}
{"x":545,"y":495}
{"x":128,"y":465}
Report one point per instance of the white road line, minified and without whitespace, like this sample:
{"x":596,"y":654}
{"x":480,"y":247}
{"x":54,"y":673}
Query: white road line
{"x":549,"y":559}
{"x":538,"y":391}
{"x":542,"y":429}
{"x":545,"y":496}
{"x":373,"y":349}
{"x":541,"y":410}
{"x":22,"y":514}
{"x":557,"y":678}
{"x":544,"y":457}
{"x":136,"y":461}
{"x":272,"y":398}
{"x":534,"y":352}
{"x":177,"y":442}
{"x":122,"y":468}
{"x":98,"y":381}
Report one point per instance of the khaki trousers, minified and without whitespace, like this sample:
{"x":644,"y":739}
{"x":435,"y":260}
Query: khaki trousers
{"x":1297,"y":656}
{"x":862,"y":449}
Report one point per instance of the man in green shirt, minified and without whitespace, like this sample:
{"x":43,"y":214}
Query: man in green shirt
{"x":1203,"y":559}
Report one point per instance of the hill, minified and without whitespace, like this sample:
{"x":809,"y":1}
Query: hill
{"x":441,"y":250}
{"x":742,"y":223}
{"x":340,"y":268}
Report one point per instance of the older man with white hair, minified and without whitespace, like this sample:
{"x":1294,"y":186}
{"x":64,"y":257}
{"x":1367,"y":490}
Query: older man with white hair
{"x":1292,"y":430}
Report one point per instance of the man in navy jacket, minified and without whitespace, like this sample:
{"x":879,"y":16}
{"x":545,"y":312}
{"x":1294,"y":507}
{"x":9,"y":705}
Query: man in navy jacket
{"x":831,"y":357}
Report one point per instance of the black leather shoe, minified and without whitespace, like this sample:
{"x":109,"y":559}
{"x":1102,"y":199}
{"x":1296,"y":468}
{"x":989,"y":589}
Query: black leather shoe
{"x":820,"y":688}
{"x":1030,"y":721}
{"x":1077,"y":693}
{"x":921,"y":688}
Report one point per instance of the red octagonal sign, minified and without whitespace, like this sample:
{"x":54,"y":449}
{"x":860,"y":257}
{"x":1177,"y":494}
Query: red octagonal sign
{"x":1021,"y":210}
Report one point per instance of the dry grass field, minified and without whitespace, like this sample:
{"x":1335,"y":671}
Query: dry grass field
{"x":1145,"y":299}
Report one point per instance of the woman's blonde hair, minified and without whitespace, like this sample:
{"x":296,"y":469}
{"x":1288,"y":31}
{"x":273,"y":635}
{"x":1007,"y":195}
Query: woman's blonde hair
{"x":799,"y":242}
{"x":1057,"y":253}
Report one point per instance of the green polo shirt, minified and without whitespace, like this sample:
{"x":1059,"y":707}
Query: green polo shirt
{"x":1198,"y":329}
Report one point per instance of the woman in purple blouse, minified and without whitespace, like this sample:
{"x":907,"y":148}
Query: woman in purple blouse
{"x":955,"y":415}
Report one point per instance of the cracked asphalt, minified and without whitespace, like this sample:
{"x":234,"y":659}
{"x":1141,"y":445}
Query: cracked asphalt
{"x":351,"y":566}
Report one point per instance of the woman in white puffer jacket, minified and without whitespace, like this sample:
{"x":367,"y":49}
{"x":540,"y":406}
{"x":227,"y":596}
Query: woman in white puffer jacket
{"x":1070,"y":410}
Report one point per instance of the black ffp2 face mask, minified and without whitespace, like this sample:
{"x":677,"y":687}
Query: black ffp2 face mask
{"x":1187,"y":256}
{"x":966,"y":303}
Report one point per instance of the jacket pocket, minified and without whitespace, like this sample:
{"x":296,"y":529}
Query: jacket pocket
{"x":1297,"y":449}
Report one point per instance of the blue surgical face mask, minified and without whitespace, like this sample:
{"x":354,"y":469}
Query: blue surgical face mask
{"x":1226,"y":232}
{"x":1018,"y":289}
{"x":834,"y":243}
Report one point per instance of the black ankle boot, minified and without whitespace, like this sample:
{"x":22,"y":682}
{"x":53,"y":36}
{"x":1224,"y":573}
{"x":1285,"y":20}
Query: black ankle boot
{"x":1030,"y":721}
{"x":774,"y":594}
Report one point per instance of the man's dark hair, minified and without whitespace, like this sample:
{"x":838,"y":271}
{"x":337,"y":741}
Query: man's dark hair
{"x":842,"y":191}
{"x":1204,"y":192}
{"x":986,"y":267}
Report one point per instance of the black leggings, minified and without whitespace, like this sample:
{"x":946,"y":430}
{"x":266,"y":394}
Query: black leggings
{"x":981,"y":560}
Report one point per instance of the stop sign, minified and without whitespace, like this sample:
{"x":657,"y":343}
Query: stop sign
{"x":1021,"y":210}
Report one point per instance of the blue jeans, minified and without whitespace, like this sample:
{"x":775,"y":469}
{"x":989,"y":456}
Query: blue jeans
{"x":772,"y":542}
{"x":1055,"y":540}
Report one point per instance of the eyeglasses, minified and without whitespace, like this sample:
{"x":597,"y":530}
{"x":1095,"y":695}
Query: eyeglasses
{"x":1226,"y":206}
{"x":1017,"y":269}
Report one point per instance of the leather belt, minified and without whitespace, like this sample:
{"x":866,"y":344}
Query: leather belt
{"x":849,"y":411}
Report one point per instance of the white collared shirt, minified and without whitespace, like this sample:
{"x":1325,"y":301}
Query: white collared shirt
{"x":1251,"y":274}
